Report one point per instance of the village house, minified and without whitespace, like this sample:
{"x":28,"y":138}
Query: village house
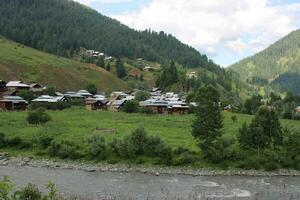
{"x":298,"y":110}
{"x":48,"y":99}
{"x":157,"y":106}
{"x":115,"y":105}
{"x":2,"y":86}
{"x":228,"y":108}
{"x":149,"y":69}
{"x":178,"y":110}
{"x":118,"y":95}
{"x":99,"y":97}
{"x":94,"y":104}
{"x":73,"y":96}
{"x":11,"y":103}
{"x":17,"y":85}
{"x":84,"y":93}
{"x":36,"y":88}
{"x":191,"y":75}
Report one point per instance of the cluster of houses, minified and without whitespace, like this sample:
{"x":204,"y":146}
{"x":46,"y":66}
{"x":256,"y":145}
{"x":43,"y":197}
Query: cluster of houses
{"x":96,"y":54}
{"x":160,"y":103}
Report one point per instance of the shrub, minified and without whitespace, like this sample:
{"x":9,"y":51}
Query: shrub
{"x":271,"y":166}
{"x":30,"y":192}
{"x":131,"y":107}
{"x":250,"y":163}
{"x":180,"y":150}
{"x":14,"y":141}
{"x":64,"y":149}
{"x":97,"y":147}
{"x":184,"y":158}
{"x":38,"y":116}
{"x":140,"y":144}
{"x":43,"y":140}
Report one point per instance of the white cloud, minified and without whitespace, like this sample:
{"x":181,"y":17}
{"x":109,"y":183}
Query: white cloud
{"x":90,"y":2}
{"x":209,"y":25}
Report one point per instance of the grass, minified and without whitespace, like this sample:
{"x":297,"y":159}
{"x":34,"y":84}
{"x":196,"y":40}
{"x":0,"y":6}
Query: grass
{"x":78,"y":124}
{"x":18,"y":62}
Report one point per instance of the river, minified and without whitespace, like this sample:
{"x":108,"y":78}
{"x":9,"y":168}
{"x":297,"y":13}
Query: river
{"x":98,"y":185}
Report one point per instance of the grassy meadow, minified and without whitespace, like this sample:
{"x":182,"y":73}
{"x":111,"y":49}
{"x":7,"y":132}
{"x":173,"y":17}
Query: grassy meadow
{"x":77,"y":125}
{"x":18,"y":62}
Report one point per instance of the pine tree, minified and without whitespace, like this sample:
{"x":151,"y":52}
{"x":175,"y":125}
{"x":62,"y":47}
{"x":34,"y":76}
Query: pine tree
{"x":100,"y":62}
{"x":121,"y":72}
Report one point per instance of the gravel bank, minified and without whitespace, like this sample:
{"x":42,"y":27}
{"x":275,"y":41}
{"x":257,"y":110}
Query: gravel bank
{"x":6,"y":160}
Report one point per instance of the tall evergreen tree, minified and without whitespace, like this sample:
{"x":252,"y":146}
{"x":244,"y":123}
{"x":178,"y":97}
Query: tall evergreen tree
{"x":121,"y":71}
{"x":100,"y":62}
{"x":209,"y":121}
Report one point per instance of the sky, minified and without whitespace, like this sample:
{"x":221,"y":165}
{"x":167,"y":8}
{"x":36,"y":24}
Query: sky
{"x":226,"y":30}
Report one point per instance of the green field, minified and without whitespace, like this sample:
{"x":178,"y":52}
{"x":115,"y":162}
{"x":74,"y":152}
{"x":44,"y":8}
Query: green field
{"x":18,"y":62}
{"x":78,"y":124}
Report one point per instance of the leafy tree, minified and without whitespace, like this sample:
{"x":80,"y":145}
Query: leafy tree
{"x":142,"y":96}
{"x":209,"y":121}
{"x":131,"y":106}
{"x":27,"y":95}
{"x":121,"y":72}
{"x":50,"y":91}
{"x":263,"y":132}
{"x":91,"y":88}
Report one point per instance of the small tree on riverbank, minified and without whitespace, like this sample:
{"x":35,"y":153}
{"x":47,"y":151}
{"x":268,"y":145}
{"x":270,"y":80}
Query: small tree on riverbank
{"x":209,"y":121}
{"x":264,"y":131}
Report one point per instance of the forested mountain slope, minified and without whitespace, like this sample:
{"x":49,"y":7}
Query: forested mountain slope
{"x":278,"y":65}
{"x":61,"y":27}
{"x":18,"y":62}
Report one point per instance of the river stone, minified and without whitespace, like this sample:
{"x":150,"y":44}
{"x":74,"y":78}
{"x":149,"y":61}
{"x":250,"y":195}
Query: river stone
{"x":90,"y":169}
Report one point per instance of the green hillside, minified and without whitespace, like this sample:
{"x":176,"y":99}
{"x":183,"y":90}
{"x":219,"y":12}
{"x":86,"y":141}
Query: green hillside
{"x":18,"y":62}
{"x":278,"y":65}
{"x":61,"y":27}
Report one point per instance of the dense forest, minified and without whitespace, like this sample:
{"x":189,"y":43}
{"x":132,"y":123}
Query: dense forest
{"x":61,"y":27}
{"x":278,"y":65}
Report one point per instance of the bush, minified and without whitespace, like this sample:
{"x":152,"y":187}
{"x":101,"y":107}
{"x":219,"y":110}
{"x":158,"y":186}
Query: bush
{"x":184,"y":159}
{"x":140,"y":144}
{"x":38,"y":116}
{"x":251,"y":162}
{"x":271,"y":166}
{"x":14,"y":141}
{"x":30,"y":192}
{"x":64,"y":149}
{"x":98,"y":147}
{"x":43,"y":140}
{"x":180,"y":150}
{"x":131,"y":107}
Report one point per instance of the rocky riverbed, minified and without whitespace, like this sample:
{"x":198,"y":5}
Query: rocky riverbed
{"x":6,"y":160}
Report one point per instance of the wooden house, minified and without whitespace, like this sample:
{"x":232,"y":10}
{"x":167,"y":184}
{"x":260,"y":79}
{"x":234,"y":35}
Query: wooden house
{"x":178,"y":110}
{"x":94,"y":104}
{"x":115,"y":105}
{"x":36,"y":88}
{"x":11,"y":103}
{"x":157,"y":106}
{"x":17,"y":85}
